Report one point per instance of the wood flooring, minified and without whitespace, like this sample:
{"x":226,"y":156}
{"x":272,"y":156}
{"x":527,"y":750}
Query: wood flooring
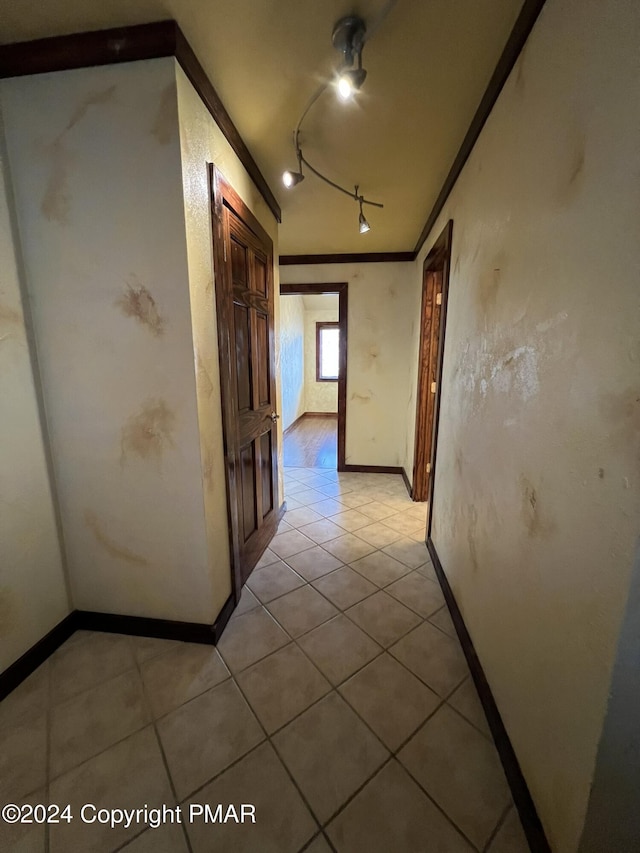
{"x":312,"y":443}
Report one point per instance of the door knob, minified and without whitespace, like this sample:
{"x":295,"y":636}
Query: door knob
{"x":274,"y":417}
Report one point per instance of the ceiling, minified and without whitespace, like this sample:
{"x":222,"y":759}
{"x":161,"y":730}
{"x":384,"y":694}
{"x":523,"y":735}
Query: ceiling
{"x":428,"y":66}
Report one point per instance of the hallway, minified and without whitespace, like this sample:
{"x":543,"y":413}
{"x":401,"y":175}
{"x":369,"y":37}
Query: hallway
{"x":338,"y":703}
{"x":312,"y":443}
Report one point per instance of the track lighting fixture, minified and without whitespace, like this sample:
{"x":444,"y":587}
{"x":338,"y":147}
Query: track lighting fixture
{"x":362,"y":220}
{"x":349,"y":36}
{"x":292,"y":179}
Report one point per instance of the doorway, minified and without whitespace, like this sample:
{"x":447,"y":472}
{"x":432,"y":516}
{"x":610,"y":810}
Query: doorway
{"x":245,"y":302}
{"x":316,"y":439}
{"x":435,"y":289}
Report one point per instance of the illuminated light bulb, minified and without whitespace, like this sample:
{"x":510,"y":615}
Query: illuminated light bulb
{"x":345,"y":87}
{"x":290,"y":179}
{"x":364,"y":225}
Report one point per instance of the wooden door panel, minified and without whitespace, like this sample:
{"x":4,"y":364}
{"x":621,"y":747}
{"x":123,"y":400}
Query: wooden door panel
{"x":266,"y":473}
{"x":248,"y":491}
{"x":262,"y":324}
{"x":243,"y":357}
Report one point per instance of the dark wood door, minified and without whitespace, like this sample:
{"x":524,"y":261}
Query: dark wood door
{"x":432,"y":325}
{"x":245,"y":300}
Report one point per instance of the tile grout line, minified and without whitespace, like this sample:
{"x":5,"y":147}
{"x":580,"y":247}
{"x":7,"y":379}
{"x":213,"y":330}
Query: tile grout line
{"x":149,"y":708}
{"x":501,"y":821}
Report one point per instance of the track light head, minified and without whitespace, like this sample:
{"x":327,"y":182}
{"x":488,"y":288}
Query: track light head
{"x":350,"y":82}
{"x":291,"y":179}
{"x":362,"y":219}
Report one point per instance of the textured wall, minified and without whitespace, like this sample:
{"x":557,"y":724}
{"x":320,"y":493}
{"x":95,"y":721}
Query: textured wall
{"x":318,"y":396}
{"x":96,"y":162}
{"x":292,"y":355}
{"x":202,"y":142}
{"x":379,"y":347}
{"x":537,"y":492}
{"x":33,"y":594}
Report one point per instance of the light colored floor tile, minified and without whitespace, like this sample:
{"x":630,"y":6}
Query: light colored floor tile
{"x":330,"y":753}
{"x":283,"y":822}
{"x":418,"y":593}
{"x":292,"y":503}
{"x":392,"y":701}
{"x":348,"y":548}
{"x":23,"y":757}
{"x":24,"y":837}
{"x":145,"y":648}
{"x":510,"y":838}
{"x":299,"y":517}
{"x":128,"y":775}
{"x":96,"y":719}
{"x":429,"y":572}
{"x":351,"y":520}
{"x":418,"y":535}
{"x":180,"y":675}
{"x":314,"y":563}
{"x":301,"y":610}
{"x":461,"y":770}
{"x":86,"y":661}
{"x":383,"y":618}
{"x":27,"y":701}
{"x":339,"y":648}
{"x":206,"y":735}
{"x":291,"y":487}
{"x":344,"y":587}
{"x":432,"y":656}
{"x":377,"y":534}
{"x":322,"y":531}
{"x":250,"y":637}
{"x":380,"y":568}
{"x":466,"y":701}
{"x":267,"y":559}
{"x":287,"y":544}
{"x":307,"y":497}
{"x":168,"y":838}
{"x":353,"y":500}
{"x":272,"y":581}
{"x":334,"y":490}
{"x":391,"y":813}
{"x":377,"y":511}
{"x":404,"y":523}
{"x":247,"y":602}
{"x":400,"y":502}
{"x":442,"y":618}
{"x":281,"y":686}
{"x":412,"y":554}
{"x":329,"y":507}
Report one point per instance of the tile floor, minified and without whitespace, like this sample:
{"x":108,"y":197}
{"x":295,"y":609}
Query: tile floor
{"x":338,"y":702}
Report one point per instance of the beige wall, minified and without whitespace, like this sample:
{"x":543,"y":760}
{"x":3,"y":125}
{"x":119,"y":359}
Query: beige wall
{"x":96,"y":161}
{"x":33,"y":593}
{"x":318,"y":396}
{"x":378,"y":351}
{"x":292,"y":357}
{"x":537,"y":491}
{"x":201,"y":143}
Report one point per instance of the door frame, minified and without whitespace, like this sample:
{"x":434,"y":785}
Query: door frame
{"x":342,"y":289}
{"x":438,"y":260}
{"x":223,"y":194}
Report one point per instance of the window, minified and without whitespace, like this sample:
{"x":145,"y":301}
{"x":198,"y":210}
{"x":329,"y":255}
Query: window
{"x":327,"y":352}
